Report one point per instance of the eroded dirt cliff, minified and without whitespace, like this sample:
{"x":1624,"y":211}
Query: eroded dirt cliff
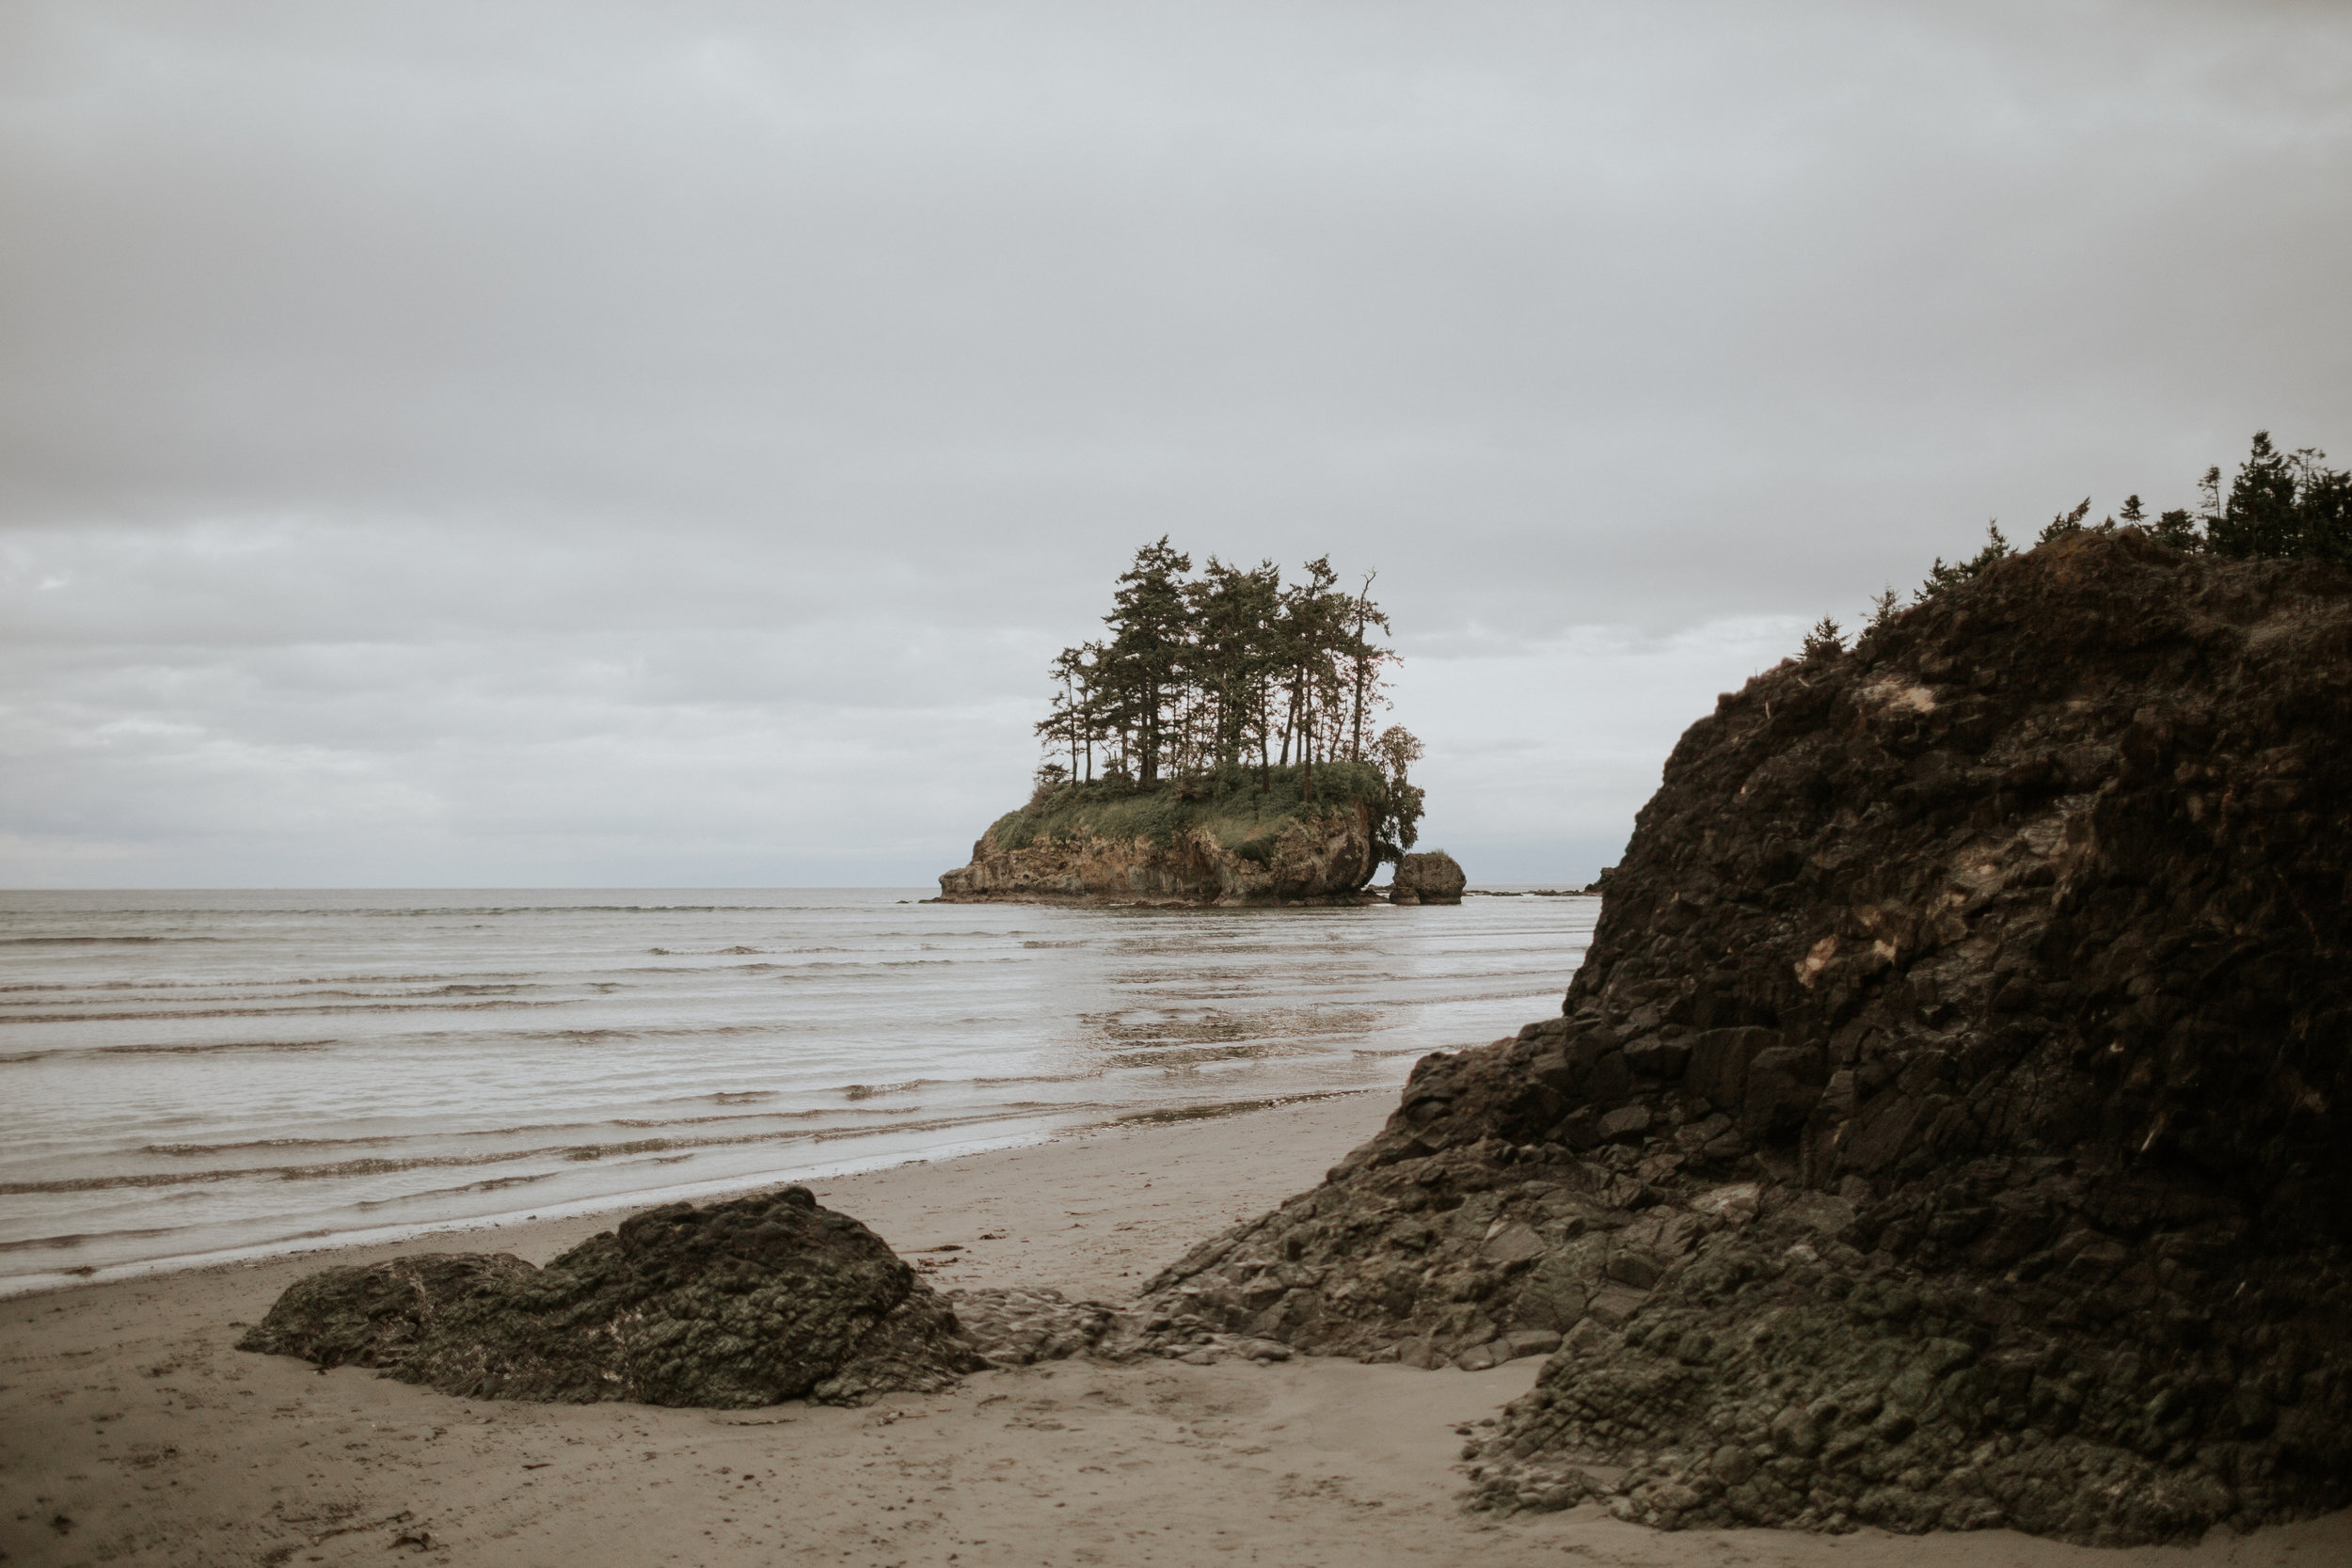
{"x":1946,"y":1127}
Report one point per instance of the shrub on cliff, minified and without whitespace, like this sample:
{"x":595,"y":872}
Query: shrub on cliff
{"x":2282,"y":506}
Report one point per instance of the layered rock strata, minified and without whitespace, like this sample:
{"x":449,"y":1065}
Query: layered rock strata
{"x":1945,"y":1127}
{"x":740,"y":1304}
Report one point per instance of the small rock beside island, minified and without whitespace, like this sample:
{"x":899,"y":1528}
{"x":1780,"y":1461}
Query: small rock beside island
{"x":1432,"y":877}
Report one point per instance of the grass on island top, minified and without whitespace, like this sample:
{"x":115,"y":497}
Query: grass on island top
{"x":1229,"y":806}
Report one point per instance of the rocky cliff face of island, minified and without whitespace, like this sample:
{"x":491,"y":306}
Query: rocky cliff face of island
{"x":1947,"y":1128}
{"x":1293,"y":841}
{"x":1330,"y":858}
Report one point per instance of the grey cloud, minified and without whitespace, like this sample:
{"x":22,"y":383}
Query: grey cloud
{"x":466,"y":373}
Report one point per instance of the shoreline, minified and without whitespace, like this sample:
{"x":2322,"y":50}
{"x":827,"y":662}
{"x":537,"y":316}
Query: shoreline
{"x":166,"y":1125}
{"x":137,"y":1436}
{"x":590,"y":1215}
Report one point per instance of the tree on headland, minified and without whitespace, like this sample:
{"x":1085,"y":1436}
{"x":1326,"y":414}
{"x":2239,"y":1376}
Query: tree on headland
{"x":2280,"y":506}
{"x":1941,"y":576}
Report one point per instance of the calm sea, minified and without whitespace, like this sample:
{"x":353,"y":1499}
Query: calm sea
{"x":190,"y":1076}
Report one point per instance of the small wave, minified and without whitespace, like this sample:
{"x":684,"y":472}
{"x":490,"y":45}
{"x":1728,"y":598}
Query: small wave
{"x":290,"y":982}
{"x":284,"y":1173}
{"x":807,"y":1115}
{"x":1194,"y":1055}
{"x":209,"y":1050}
{"x":293,"y":1009}
{"x":1198,"y":1113}
{"x":87,"y":941}
{"x":682,"y":1031}
{"x":18,"y":1058}
{"x":198,"y":1151}
{"x":291,"y":993}
{"x":344,"y":1169}
{"x":80,"y":1238}
{"x":869,"y":1091}
{"x":496,"y":1183}
{"x":191,"y":1150}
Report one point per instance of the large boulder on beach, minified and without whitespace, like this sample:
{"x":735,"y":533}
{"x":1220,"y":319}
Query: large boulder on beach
{"x":1431,"y":877}
{"x":740,"y":1304}
{"x":1948,"y":1126}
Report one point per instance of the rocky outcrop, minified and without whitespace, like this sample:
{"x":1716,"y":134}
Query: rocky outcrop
{"x":740,"y":1304}
{"x":1429,"y":878}
{"x":1323,"y":856}
{"x":1947,"y":1126}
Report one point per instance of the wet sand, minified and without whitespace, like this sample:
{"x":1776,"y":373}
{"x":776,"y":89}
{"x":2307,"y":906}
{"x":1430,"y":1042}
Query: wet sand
{"x":134,"y":1433}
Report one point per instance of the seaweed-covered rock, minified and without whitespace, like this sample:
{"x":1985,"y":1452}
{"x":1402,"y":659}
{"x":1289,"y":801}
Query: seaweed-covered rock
{"x":1947,"y":1125}
{"x":739,"y":1304}
{"x":1430,"y":877}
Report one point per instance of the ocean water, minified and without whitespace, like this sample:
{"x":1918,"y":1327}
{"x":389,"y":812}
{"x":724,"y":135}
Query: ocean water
{"x":192,"y":1076}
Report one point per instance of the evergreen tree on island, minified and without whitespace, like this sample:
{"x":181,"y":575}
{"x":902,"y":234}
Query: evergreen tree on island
{"x":1227,"y":679}
{"x":1229,"y":668}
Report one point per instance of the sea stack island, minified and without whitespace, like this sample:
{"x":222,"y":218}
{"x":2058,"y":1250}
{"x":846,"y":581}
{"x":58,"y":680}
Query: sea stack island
{"x":1216,"y":747}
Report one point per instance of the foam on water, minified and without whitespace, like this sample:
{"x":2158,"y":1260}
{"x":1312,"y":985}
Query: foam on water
{"x":190,"y":1076}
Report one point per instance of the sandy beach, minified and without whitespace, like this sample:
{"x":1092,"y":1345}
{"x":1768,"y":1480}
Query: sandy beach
{"x":134,"y":1433}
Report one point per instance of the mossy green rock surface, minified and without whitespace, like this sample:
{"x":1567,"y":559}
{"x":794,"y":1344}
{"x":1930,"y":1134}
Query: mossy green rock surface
{"x":739,"y":1304}
{"x":1299,"y":839}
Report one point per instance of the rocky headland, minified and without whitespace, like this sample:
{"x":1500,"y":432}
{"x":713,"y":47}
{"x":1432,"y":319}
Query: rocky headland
{"x":1946,"y":1128}
{"x":1288,"y":837}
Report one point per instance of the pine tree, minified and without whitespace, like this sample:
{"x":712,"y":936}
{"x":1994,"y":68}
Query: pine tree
{"x":1884,"y":607}
{"x":1203,"y":674}
{"x":2282,"y":506}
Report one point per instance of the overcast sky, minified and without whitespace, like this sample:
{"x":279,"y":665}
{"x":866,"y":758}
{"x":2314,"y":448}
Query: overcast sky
{"x":504,"y":444}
